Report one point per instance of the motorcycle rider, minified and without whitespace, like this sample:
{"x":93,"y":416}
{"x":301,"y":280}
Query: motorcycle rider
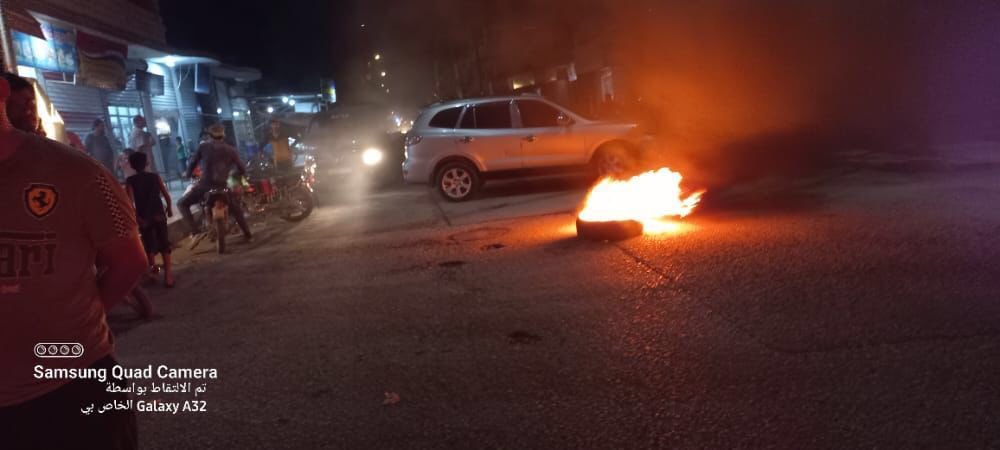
{"x":217,"y":160}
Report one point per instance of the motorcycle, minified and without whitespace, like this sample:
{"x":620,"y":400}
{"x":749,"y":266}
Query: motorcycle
{"x":289,"y":194}
{"x":217,"y":223}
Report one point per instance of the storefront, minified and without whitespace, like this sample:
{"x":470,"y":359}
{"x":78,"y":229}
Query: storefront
{"x":88,"y":75}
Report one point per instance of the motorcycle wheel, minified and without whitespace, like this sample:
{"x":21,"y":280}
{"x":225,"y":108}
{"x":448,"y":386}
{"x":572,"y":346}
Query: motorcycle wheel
{"x":301,"y":202}
{"x":221,"y":229}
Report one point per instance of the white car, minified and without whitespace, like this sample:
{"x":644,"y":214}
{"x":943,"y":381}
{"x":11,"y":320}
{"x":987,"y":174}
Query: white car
{"x":455,"y":146}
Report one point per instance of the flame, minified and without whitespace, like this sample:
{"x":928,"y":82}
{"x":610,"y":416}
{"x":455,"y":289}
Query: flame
{"x":649,"y":197}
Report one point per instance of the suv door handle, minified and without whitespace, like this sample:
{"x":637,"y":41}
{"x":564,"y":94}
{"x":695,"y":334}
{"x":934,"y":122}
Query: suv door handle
{"x":466,"y":139}
{"x":530,"y":138}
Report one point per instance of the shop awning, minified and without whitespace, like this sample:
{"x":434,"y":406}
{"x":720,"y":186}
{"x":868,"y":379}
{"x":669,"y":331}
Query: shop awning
{"x":19,"y":19}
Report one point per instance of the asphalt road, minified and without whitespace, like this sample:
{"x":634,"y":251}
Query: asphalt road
{"x":860,"y":310}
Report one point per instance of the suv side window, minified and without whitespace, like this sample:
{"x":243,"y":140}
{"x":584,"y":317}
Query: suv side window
{"x":495,"y":115}
{"x":446,"y":118}
{"x":536,"y":114}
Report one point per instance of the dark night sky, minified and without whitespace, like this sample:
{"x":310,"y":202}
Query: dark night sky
{"x":718,"y":68}
{"x":292,"y":42}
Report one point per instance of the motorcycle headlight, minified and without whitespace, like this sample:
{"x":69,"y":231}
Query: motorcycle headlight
{"x":371,"y":156}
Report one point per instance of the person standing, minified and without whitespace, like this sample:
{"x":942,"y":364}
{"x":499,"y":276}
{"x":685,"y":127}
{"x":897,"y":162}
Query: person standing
{"x":142,"y":141}
{"x":279,"y":147}
{"x":217,"y":159}
{"x":146,"y":189}
{"x":99,"y":146}
{"x":63,"y":215}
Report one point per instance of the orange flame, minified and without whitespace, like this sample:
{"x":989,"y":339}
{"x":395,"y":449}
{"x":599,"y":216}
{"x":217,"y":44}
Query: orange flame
{"x":648,"y":198}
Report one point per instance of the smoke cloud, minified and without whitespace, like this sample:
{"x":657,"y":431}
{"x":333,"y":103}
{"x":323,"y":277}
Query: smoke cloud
{"x":733,"y":85}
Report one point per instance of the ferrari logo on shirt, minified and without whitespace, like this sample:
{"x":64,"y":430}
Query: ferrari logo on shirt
{"x":40,"y":199}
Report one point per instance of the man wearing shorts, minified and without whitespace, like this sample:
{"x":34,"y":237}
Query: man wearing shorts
{"x":149,"y":194}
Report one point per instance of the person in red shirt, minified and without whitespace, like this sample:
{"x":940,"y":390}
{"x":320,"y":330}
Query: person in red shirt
{"x":63,"y":215}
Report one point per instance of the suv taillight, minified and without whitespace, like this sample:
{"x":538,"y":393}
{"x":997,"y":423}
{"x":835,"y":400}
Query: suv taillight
{"x":412,"y":139}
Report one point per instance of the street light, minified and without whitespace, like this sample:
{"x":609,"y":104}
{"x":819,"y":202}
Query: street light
{"x":284,"y":99}
{"x":291,"y":102}
{"x":270,"y":109}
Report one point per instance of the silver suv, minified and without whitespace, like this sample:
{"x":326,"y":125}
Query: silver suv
{"x":456,"y":145}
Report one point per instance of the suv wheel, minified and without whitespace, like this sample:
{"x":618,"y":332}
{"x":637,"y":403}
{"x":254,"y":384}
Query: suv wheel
{"x":613,"y":161}
{"x":457,"y":181}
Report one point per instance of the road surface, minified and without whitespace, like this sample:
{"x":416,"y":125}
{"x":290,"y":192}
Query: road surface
{"x":856,"y":310}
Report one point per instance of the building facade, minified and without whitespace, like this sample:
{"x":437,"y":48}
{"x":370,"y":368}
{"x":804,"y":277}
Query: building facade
{"x":109,"y":60}
{"x":562,"y":56}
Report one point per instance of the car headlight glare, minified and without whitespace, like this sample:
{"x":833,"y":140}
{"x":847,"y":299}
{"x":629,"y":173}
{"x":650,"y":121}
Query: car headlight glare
{"x":371,"y":156}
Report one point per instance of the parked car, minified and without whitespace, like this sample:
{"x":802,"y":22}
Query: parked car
{"x":455,"y":146}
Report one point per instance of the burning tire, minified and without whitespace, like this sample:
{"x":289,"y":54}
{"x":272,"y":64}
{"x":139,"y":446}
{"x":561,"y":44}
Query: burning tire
{"x":457,"y":181}
{"x":608,"y":231}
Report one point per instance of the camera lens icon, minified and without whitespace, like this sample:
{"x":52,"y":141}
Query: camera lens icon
{"x":59,"y":350}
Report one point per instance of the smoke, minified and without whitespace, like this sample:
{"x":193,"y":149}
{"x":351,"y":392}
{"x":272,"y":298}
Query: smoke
{"x":774,"y":87}
{"x":740,"y":85}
